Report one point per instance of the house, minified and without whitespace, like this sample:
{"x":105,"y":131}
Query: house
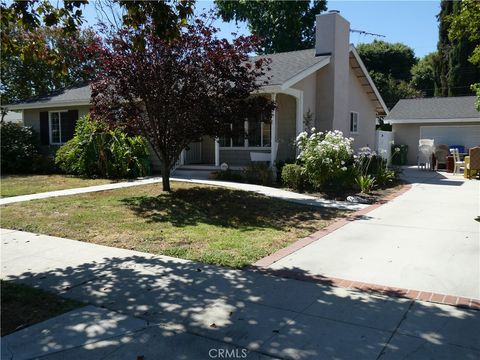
{"x":447,"y":120}
{"x":329,"y":83}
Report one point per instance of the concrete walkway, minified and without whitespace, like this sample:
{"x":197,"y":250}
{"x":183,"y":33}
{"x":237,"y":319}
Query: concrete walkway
{"x":264,"y":190}
{"x":167,"y":308}
{"x":427,"y":239}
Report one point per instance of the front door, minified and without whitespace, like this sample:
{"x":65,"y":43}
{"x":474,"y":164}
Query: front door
{"x":193,"y":155}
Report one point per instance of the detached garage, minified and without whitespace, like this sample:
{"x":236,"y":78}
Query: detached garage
{"x":450,"y":121}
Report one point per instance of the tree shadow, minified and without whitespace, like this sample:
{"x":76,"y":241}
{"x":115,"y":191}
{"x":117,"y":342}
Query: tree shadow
{"x":248,"y":309}
{"x":226,"y":208}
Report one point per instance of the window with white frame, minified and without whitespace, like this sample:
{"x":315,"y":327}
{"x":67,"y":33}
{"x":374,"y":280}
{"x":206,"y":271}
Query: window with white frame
{"x":57,"y":125}
{"x":354,"y":122}
{"x":254,"y":133}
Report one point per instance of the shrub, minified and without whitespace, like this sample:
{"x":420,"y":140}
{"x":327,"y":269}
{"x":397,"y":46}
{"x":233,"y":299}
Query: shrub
{"x":294,"y":177}
{"x":365,"y":183}
{"x":19,"y":148}
{"x":258,"y":173}
{"x":95,"y":151}
{"x":326,"y":159}
{"x":228,"y":175}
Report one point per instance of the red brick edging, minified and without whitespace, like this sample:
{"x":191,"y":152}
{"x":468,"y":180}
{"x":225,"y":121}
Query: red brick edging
{"x":262,"y":265}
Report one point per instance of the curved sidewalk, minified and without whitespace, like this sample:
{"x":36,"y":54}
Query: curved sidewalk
{"x":263,"y":190}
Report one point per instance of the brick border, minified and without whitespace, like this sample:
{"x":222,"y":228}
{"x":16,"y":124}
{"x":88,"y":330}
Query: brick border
{"x":412,"y":294}
{"x":428,"y":296}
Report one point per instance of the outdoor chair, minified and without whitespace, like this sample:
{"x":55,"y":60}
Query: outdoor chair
{"x":429,"y":142}
{"x":473,"y":165}
{"x":425,"y":156}
{"x":441,"y":152}
{"x":458,"y":165}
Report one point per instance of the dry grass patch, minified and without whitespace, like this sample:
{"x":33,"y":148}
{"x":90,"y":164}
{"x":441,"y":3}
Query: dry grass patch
{"x":198,"y":222}
{"x":15,"y":185}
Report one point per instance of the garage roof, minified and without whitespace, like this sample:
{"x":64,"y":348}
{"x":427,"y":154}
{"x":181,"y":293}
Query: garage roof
{"x":437,"y":109}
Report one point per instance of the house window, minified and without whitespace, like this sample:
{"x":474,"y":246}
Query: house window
{"x":247,"y":134}
{"x":57,"y":121}
{"x":354,"y":122}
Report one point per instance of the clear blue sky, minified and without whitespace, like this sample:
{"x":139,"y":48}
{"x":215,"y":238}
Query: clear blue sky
{"x":411,"y":22}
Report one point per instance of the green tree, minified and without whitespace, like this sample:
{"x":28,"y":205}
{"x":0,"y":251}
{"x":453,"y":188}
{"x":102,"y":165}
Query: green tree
{"x":282,"y":25}
{"x":393,"y":59}
{"x":390,"y":65}
{"x":466,"y":23}
{"x":423,"y":76}
{"x":41,"y":39}
{"x":63,"y":61}
{"x":454,"y":72}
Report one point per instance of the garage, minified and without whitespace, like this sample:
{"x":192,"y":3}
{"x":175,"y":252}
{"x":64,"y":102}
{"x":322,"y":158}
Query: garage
{"x":447,"y":120}
{"x":466,"y":135}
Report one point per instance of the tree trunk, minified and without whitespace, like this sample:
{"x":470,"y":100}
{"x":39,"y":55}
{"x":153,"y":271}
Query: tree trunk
{"x":166,"y":177}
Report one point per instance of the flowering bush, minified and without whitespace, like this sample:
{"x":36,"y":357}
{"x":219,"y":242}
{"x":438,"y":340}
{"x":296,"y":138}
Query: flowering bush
{"x":326,"y":158}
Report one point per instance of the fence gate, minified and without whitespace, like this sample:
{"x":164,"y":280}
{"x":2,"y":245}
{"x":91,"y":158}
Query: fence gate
{"x":384,"y":144}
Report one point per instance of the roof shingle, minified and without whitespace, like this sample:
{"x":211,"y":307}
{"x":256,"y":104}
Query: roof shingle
{"x":461,"y":107}
{"x":286,"y":65}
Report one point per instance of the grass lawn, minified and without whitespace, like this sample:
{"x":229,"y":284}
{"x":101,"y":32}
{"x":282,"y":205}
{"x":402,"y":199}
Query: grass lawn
{"x":198,"y":222}
{"x":23,"y":306}
{"x":14,"y":185}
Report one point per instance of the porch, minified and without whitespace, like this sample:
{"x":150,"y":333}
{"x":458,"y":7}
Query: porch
{"x":263,"y":142}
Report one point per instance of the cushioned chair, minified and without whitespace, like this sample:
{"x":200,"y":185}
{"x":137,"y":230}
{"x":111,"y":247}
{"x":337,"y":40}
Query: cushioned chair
{"x":474,"y":161}
{"x":441,"y":152}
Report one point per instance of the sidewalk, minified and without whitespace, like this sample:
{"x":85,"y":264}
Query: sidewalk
{"x":259,"y":189}
{"x":190,"y":309}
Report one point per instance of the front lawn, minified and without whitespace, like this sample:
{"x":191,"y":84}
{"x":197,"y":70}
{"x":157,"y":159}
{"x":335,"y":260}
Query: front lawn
{"x":198,"y":222}
{"x":23,"y":306}
{"x":14,"y":185}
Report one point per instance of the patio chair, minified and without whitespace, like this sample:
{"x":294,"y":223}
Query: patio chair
{"x":458,"y":165}
{"x":441,"y":152}
{"x":474,"y":161}
{"x":425,"y":156}
{"x":429,"y":142}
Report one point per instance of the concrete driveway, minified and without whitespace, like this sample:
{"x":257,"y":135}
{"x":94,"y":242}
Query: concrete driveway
{"x":426,"y":239}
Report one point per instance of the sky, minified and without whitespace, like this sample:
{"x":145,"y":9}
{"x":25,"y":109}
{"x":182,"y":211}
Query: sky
{"x":410,"y":22}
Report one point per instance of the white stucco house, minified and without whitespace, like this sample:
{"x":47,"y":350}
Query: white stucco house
{"x":330,"y":82}
{"x":446,"y":120}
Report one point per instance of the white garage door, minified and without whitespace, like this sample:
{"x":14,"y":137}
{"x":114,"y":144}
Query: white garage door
{"x":466,"y":135}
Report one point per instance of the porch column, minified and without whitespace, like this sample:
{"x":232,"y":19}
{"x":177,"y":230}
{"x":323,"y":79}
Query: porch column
{"x":217,"y":152}
{"x":300,"y":124}
{"x":299,"y":113}
{"x":182,"y":157}
{"x":273,"y":135}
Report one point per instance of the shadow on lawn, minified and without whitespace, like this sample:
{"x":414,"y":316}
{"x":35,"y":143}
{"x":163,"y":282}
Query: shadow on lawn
{"x":247,"y":309}
{"x":227,"y":208}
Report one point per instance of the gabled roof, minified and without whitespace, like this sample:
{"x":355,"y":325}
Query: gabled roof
{"x":286,"y":69}
{"x":71,"y":96}
{"x":285,"y":66}
{"x":366,"y":81}
{"x":437,"y":109}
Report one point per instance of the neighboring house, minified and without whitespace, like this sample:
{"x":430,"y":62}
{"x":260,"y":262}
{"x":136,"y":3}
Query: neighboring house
{"x":329,"y":82}
{"x":13,"y":116}
{"x":447,"y":120}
